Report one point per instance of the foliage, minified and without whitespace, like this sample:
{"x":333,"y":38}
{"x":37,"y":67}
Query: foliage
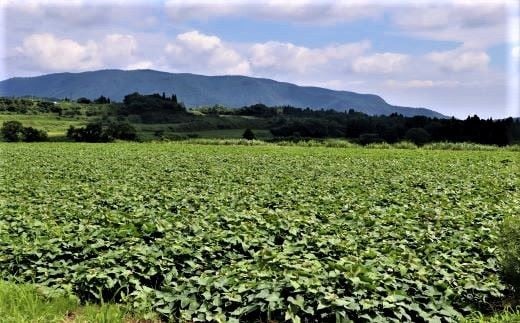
{"x":31,"y":303}
{"x":31,"y":134}
{"x":507,"y":316}
{"x":248,"y":134}
{"x":12,"y":130}
{"x":153,"y":108}
{"x":240,"y":233}
{"x":28,"y":303}
{"x":83,"y":100}
{"x":102,"y":100}
{"x":418,"y":136}
{"x":99,"y":132}
{"x":122,"y":130}
{"x":286,"y":122}
{"x":510,"y":251}
{"x":15,"y":131}
{"x":92,"y":132}
{"x":369,"y":138}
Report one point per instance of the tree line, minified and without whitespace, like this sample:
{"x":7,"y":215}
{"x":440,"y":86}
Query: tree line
{"x":285,"y":122}
{"x":307,"y":123}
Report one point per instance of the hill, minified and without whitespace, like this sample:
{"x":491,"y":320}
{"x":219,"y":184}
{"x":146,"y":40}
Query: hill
{"x":199,"y":90}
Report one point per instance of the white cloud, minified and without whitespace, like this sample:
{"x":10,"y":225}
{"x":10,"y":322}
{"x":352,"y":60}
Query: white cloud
{"x":302,"y":11}
{"x":205,"y":53}
{"x":49,"y":53}
{"x":117,"y":47}
{"x":447,"y":15}
{"x":287,"y":57}
{"x":515,"y":52}
{"x":380,"y":63}
{"x":476,"y":24}
{"x":422,"y":83}
{"x":460,"y":60}
{"x":140,"y":65}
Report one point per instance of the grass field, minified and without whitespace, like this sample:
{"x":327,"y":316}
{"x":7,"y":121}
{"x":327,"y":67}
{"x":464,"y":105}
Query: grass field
{"x":56,"y":126}
{"x":53,"y":125}
{"x":259,"y":232}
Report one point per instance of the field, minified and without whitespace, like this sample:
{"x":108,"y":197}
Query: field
{"x":233,"y":126}
{"x":259,"y":232}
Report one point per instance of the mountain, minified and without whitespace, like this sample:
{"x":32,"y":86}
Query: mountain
{"x":199,"y":90}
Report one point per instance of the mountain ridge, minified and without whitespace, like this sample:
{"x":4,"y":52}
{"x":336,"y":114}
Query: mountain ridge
{"x":200,"y":90}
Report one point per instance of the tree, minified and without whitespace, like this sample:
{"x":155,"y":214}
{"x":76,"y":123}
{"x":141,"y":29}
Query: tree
{"x":369,"y":138}
{"x":31,"y":134}
{"x":101,"y":100}
{"x":248,"y":134}
{"x":102,"y":132}
{"x":12,"y":131}
{"x":92,"y":132}
{"x":83,"y":100}
{"x":418,"y":136}
{"x":122,"y":130}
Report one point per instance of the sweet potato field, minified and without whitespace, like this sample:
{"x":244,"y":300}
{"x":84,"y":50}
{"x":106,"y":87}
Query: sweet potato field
{"x":231,"y":233}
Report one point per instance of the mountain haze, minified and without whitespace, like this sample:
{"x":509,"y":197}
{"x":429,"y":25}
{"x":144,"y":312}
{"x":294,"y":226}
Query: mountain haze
{"x":199,"y":90}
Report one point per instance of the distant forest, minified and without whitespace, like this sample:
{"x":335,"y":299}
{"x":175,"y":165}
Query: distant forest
{"x":296,"y":122}
{"x":286,"y":122}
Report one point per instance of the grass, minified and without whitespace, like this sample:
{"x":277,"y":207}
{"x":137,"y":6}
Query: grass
{"x":32,"y":303}
{"x":507,"y":316}
{"x":56,"y":127}
{"x":53,"y":125}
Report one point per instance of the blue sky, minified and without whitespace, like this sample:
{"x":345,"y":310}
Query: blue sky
{"x":457,"y":57}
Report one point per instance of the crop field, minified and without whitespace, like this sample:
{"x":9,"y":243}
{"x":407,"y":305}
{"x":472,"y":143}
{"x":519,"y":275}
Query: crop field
{"x":227,"y":233}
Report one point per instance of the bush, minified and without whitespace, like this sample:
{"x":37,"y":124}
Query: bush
{"x":122,"y":130}
{"x":92,"y":132}
{"x":99,"y":132}
{"x":83,"y":101}
{"x":418,"y":136}
{"x":31,"y":134}
{"x":510,"y":252}
{"x":248,"y":134}
{"x":369,"y":138}
{"x":12,"y":131}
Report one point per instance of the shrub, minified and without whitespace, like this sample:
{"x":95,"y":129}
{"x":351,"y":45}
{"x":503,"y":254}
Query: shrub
{"x":31,"y":134}
{"x":404,"y":145}
{"x":418,"y":136}
{"x":99,"y":132}
{"x":248,"y":134}
{"x":92,"y":132}
{"x":122,"y":130}
{"x":369,"y":138}
{"x":510,"y":252}
{"x":12,"y":130}
{"x":83,"y":101}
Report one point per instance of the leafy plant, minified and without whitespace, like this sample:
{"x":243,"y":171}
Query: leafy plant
{"x":260,"y":232}
{"x":510,"y":250}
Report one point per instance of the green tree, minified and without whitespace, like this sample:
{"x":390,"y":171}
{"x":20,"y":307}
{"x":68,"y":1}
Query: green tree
{"x":418,"y":136}
{"x":101,"y":100}
{"x":31,"y":134}
{"x":83,"y":101}
{"x":12,"y":130}
{"x":248,"y":134}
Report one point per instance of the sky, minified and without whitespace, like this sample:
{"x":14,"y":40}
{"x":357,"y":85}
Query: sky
{"x":457,"y":57}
